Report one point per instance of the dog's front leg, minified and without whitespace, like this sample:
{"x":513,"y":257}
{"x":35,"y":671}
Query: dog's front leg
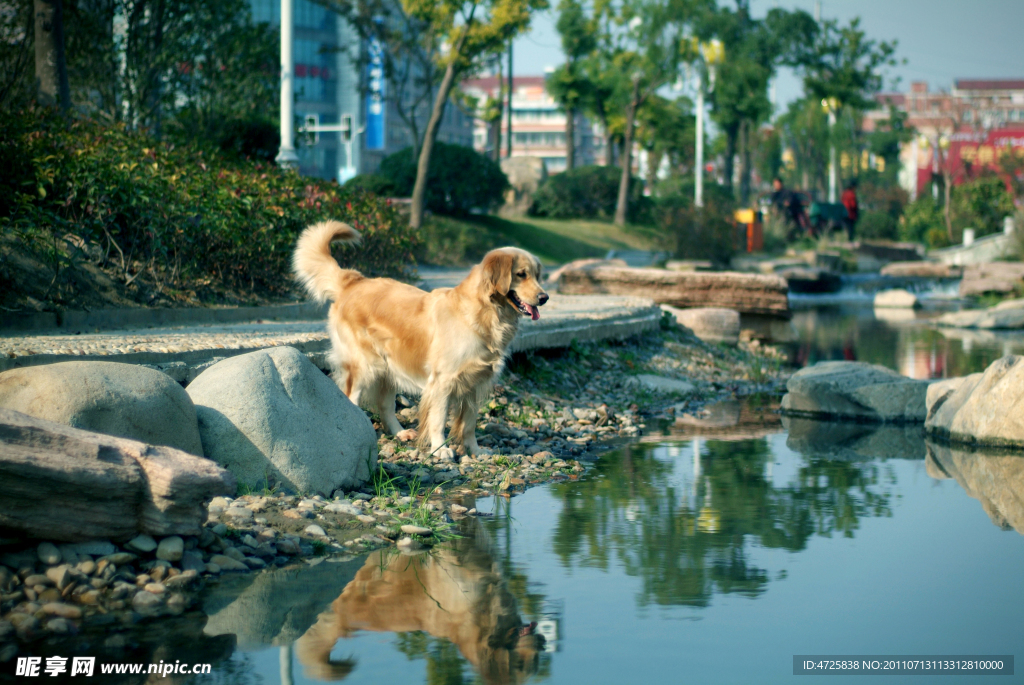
{"x":465,"y":420}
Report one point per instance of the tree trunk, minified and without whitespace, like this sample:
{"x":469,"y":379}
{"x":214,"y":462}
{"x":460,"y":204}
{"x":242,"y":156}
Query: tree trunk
{"x":627,"y":157}
{"x":947,"y":183}
{"x":731,"y":133}
{"x":609,"y":158}
{"x":429,"y":136}
{"x":570,"y":139}
{"x":653,"y":162}
{"x":745,"y":162}
{"x":51,"y":66}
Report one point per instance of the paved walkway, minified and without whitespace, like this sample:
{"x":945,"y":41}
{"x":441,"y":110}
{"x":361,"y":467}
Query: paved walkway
{"x":183,"y":351}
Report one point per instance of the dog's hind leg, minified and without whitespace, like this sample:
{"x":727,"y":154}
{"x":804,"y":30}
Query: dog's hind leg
{"x":386,"y":409}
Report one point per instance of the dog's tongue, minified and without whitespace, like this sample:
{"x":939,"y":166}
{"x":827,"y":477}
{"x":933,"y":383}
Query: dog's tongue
{"x":534,"y":313}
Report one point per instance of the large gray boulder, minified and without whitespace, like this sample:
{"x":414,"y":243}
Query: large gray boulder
{"x":855,"y":390}
{"x":271,"y":414}
{"x":62,"y":483}
{"x":983,"y":408}
{"x":126,"y":400}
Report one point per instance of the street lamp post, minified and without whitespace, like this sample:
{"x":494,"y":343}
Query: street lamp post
{"x":712,"y":52}
{"x":830,"y":105}
{"x":286,"y":157}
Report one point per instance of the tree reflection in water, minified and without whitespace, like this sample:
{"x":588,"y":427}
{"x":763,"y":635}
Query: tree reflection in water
{"x":686,"y":537}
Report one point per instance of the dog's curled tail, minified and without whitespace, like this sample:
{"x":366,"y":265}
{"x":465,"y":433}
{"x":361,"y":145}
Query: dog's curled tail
{"x":315,"y":267}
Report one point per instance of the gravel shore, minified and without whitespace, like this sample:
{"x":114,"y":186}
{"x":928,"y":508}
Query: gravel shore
{"x":552,"y":414}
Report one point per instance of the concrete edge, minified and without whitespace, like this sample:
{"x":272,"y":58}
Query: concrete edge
{"x":112,"y":319}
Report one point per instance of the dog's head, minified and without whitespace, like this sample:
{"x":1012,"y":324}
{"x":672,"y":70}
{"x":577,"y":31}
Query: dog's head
{"x":513,"y":277}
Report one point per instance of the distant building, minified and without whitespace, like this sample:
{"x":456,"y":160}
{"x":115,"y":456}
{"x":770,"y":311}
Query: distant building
{"x":332,"y":75}
{"x":961,"y":131}
{"x":538,"y":125}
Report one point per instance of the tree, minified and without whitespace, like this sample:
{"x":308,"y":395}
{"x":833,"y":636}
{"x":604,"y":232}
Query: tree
{"x":51,"y":64}
{"x":569,"y":84}
{"x":470,"y":30}
{"x":603,"y":83}
{"x":754,"y":49}
{"x":646,"y":45}
{"x":666,"y":128}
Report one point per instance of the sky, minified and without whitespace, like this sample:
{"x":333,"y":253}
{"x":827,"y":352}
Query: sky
{"x":941,"y":40}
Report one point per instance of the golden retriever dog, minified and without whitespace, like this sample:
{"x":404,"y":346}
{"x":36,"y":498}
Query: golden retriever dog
{"x":447,"y":345}
{"x":456,"y":593}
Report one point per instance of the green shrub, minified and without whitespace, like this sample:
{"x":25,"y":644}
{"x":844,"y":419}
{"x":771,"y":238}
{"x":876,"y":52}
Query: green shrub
{"x":459,"y":179}
{"x":371,"y":183}
{"x":706,"y":233}
{"x":589,"y":192}
{"x":981,"y":204}
{"x":920,"y":218}
{"x":877,"y":225}
{"x":189,"y":220}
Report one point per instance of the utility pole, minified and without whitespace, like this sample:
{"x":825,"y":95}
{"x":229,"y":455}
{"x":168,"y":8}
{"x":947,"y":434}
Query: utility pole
{"x":511,"y":90}
{"x":286,"y":157}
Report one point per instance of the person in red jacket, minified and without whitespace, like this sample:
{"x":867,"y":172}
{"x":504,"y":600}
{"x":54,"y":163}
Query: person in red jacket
{"x":849,"y":200}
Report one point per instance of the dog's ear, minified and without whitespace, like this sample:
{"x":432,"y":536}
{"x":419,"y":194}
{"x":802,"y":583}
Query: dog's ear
{"x":497,"y":271}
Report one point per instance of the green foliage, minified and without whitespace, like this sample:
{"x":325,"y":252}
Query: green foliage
{"x":371,"y":183}
{"x":585,"y":192}
{"x":981,"y":204}
{"x":187,"y":218}
{"x":846,"y":65}
{"x":705,"y":233}
{"x":459,"y":179}
{"x":922,"y":222}
{"x":881,"y":206}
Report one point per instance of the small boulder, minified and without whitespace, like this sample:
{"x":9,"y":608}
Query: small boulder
{"x":410,"y":529}
{"x":170,"y":549}
{"x":315,"y":530}
{"x":662,"y":384}
{"x":897,"y":298}
{"x":142,"y":544}
{"x":48,"y":553}
{"x":126,"y":400}
{"x":855,"y":390}
{"x":274,"y":412}
{"x":710,"y":324}
{"x":226,"y":563}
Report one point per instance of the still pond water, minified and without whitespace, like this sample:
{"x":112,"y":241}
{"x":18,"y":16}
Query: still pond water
{"x":704,"y":554}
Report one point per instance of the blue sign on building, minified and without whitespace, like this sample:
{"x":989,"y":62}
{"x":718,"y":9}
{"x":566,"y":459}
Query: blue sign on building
{"x":375,"y":97}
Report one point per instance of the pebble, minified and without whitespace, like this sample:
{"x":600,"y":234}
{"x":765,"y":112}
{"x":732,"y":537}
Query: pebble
{"x":37,"y":579}
{"x":416,"y":530}
{"x":226,"y":563}
{"x":184,"y":578}
{"x":48,"y":553}
{"x":240,"y":513}
{"x":62,"y":610}
{"x":337,"y":508}
{"x":145,"y":600}
{"x":60,"y":575}
{"x":297,"y":514}
{"x":155,"y":588}
{"x":170,"y":549}
{"x":366,"y":519}
{"x":315,"y":531}
{"x":141,"y":543}
{"x":409,"y":543}
{"x":233,"y":553}
{"x":60,"y":626}
{"x":457,"y":509}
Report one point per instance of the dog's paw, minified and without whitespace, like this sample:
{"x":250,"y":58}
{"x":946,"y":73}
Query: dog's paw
{"x":408,"y":435}
{"x":444,"y":454}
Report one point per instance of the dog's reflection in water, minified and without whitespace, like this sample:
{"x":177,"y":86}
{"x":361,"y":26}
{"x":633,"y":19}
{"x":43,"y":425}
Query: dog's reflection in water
{"x":455,"y":592}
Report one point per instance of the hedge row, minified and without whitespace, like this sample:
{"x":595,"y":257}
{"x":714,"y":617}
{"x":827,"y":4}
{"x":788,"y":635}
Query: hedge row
{"x":176,"y":212}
